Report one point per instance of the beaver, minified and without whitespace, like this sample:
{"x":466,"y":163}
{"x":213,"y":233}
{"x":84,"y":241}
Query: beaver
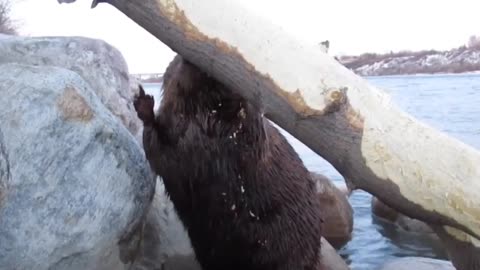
{"x":240,"y":189}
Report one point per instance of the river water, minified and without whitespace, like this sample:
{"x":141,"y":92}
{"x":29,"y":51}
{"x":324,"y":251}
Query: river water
{"x":450,"y":103}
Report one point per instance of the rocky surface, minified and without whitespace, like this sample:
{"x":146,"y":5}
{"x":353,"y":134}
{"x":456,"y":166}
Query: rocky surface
{"x":330,"y":258}
{"x":164,"y":241}
{"x":166,"y":244}
{"x":98,"y":63}
{"x":337,"y":212}
{"x":74,"y":183}
{"x":417,"y":263}
{"x":459,"y":60}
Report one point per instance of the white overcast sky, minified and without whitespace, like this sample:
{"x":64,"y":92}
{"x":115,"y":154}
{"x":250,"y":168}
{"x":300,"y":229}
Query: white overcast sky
{"x":352,"y":26}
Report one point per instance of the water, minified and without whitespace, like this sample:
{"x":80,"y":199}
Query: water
{"x":450,"y":103}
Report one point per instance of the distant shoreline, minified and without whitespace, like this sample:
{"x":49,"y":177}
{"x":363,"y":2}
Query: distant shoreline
{"x":461,"y":60}
{"x":393,"y":75}
{"x":477,"y":72}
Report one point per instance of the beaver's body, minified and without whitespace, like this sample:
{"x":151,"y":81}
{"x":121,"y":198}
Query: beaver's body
{"x":242,"y":192}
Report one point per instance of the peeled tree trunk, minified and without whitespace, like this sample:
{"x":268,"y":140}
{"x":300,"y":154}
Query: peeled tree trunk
{"x":378,"y":148}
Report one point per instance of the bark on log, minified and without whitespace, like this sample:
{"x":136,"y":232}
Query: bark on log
{"x":378,"y":148}
{"x":463,"y":249}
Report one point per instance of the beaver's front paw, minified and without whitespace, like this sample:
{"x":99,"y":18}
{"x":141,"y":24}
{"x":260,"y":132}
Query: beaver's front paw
{"x":144,"y":106}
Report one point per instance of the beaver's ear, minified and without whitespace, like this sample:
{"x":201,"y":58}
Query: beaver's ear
{"x":172,"y":69}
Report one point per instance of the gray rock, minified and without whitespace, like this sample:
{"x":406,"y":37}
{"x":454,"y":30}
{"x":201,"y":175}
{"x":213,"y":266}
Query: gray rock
{"x":101,"y":65}
{"x":330,"y":259}
{"x":104,"y":69}
{"x":74,"y":183}
{"x":165,"y":244}
{"x":337,"y":212}
{"x":181,"y":262}
{"x":417,"y":263}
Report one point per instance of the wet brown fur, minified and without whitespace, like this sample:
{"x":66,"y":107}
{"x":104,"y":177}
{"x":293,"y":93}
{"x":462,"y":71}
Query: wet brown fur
{"x":242,"y":192}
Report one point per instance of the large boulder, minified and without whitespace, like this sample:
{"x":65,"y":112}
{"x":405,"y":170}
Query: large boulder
{"x":337,"y":212}
{"x":417,"y":263}
{"x":98,"y":63}
{"x":74,"y":183}
{"x":104,"y":69}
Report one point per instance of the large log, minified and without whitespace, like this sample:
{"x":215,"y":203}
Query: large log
{"x":353,"y":125}
{"x":463,"y":249}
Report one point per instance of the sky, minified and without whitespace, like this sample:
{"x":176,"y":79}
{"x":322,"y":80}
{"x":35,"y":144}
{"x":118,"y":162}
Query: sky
{"x":352,"y":27}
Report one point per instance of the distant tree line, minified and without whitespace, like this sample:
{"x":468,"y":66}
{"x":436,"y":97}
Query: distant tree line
{"x":354,"y":62}
{"x":458,"y":60}
{"x":474,"y":42}
{"x":7,"y":25}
